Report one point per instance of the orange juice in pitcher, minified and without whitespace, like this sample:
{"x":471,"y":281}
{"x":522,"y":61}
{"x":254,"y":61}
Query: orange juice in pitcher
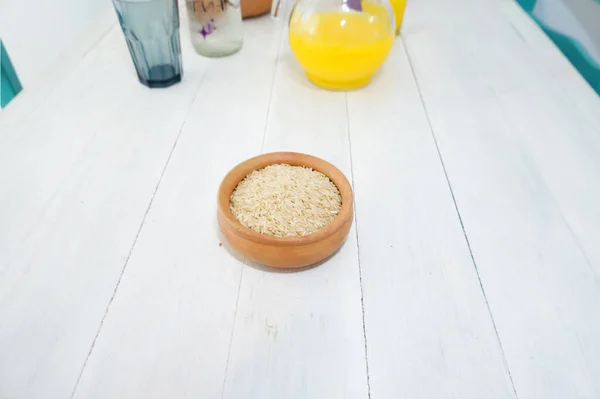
{"x":340,"y":43}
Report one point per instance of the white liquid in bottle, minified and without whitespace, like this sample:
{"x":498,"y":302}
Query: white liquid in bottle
{"x":215,"y":26}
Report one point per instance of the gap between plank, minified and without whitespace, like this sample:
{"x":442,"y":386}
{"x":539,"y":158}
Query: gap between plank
{"x":362,"y":301}
{"x":555,"y":202}
{"x":237,"y":304}
{"x":262,"y":143}
{"x":137,"y":235}
{"x":279,"y":43}
{"x":462,"y":226}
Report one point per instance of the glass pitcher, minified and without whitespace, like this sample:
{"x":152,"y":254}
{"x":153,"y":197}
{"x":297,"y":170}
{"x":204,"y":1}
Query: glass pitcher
{"x":339,"y":43}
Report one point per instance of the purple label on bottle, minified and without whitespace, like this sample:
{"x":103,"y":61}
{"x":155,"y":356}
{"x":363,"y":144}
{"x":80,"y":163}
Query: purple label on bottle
{"x":208,"y":28}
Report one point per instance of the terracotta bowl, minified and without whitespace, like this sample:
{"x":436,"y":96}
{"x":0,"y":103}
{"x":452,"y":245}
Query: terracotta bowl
{"x":285,"y":252}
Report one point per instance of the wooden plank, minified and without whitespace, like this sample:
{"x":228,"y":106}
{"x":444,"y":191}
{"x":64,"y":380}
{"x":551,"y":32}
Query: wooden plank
{"x":56,"y":134}
{"x":570,"y":105}
{"x":429,"y":332}
{"x":168,"y":331}
{"x":40,"y":35}
{"x":76,"y":183}
{"x":69,"y":118}
{"x":38,"y":90}
{"x":300,"y":334}
{"x":499,"y":123}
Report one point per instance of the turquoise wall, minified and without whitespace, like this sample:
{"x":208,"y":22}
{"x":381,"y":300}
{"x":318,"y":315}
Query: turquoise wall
{"x":9,"y":82}
{"x":570,"y":47}
{"x":7,"y":93}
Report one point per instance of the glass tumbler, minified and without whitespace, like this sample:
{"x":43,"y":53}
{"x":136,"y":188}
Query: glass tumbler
{"x":151,"y":30}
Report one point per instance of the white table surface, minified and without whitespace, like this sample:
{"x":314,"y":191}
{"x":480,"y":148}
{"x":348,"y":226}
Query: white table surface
{"x":472,"y":271}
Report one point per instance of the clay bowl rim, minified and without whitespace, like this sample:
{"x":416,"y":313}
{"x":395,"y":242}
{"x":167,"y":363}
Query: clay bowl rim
{"x":239,"y":172}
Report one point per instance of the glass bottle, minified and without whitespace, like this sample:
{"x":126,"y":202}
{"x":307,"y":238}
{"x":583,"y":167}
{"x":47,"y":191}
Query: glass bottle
{"x":215,"y":26}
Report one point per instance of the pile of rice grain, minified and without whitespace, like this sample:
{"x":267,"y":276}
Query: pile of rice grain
{"x":285,"y":201}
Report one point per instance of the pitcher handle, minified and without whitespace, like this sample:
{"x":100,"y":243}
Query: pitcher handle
{"x":278,"y":7}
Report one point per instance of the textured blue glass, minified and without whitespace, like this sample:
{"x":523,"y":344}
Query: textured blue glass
{"x":151,"y":29}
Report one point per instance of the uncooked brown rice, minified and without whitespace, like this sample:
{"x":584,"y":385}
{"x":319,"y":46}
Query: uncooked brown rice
{"x":285,"y":201}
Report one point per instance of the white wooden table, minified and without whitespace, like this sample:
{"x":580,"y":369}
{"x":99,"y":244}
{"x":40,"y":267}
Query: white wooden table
{"x":472,"y":272}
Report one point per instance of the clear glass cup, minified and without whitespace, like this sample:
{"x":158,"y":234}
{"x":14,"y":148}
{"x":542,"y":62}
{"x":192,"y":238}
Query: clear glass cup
{"x":215,"y":26}
{"x":151,"y":30}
